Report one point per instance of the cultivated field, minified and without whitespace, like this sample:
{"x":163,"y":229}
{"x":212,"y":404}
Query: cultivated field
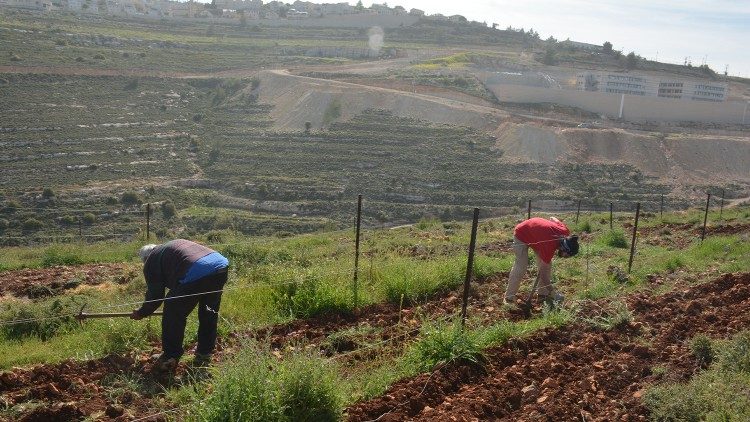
{"x":614,"y":350}
{"x":256,"y":140}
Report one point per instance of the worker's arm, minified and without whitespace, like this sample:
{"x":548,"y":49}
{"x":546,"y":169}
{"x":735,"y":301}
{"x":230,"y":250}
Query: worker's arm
{"x":154,"y":297}
{"x":554,"y":219}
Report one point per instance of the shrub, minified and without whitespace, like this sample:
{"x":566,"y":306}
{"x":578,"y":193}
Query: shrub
{"x":32,"y":224}
{"x":168,"y":210}
{"x":98,"y":56}
{"x":702,"y":349}
{"x":111,"y":200}
{"x":80,"y":59}
{"x":3,"y":224}
{"x":736,"y":355}
{"x":47,"y":193}
{"x":197,"y":118}
{"x":615,"y":239}
{"x":67,"y":220}
{"x":131,"y":198}
{"x":88,"y":219}
{"x":15,"y":58}
{"x":61,"y":42}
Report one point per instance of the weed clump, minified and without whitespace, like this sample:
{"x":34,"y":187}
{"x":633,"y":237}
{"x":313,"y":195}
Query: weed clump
{"x":717,"y":394}
{"x":41,"y":321}
{"x":255,"y":386}
{"x":615,"y":239}
{"x":306,"y":295}
{"x":702,"y":349}
{"x":616,"y":315}
{"x":57,"y":255}
{"x":445,"y":342}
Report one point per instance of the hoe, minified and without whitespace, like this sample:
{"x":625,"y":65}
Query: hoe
{"x":526,"y":307}
{"x":85,"y":315}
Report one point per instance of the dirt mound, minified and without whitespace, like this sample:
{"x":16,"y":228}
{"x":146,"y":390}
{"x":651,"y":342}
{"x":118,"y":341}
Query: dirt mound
{"x":300,"y":99}
{"x":36,"y":283}
{"x":684,"y":158}
{"x":576,"y":372}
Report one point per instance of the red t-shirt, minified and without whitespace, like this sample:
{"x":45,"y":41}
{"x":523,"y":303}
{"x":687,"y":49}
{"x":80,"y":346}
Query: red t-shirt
{"x":542,"y":236}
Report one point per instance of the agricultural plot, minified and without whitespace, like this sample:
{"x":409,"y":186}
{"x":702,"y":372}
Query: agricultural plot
{"x":399,"y":355}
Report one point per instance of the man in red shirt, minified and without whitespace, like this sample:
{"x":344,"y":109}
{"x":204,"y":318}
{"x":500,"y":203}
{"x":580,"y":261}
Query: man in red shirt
{"x":545,"y":238}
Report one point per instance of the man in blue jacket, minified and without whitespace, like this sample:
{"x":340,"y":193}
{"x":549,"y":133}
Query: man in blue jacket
{"x":194,"y":275}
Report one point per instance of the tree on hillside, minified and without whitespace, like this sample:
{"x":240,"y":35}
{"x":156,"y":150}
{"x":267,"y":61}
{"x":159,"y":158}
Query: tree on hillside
{"x":607,"y":47}
{"x":359,"y":5}
{"x":550,"y":56}
{"x":631,"y":61}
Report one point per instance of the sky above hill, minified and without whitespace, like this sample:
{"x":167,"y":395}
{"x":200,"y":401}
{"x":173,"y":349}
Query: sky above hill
{"x":715,"y":32}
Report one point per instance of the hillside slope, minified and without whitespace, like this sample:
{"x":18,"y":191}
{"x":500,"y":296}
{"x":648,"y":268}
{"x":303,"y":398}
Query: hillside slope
{"x":684,"y":158}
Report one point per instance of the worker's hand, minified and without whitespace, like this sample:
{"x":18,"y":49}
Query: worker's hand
{"x":136,"y":316}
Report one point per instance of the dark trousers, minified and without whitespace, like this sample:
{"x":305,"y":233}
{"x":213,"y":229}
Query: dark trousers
{"x":176,"y":312}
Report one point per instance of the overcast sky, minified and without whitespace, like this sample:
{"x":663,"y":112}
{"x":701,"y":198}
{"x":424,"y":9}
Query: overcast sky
{"x":717,"y":31}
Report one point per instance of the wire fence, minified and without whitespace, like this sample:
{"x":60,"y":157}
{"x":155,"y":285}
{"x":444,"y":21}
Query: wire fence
{"x":72,"y":224}
{"x":589,"y":268}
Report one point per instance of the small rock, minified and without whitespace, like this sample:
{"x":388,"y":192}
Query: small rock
{"x":638,"y":394}
{"x":541,"y":399}
{"x":426,"y":409}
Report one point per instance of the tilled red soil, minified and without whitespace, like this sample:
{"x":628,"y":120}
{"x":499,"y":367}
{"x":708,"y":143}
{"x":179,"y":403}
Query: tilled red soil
{"x":36,"y":283}
{"x":381,"y":323}
{"x":73,"y":390}
{"x":578,"y":372}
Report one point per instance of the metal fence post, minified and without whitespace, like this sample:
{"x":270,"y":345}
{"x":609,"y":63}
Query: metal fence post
{"x":611,"y":206}
{"x":635,"y":230}
{"x":469,"y":265}
{"x":528,"y":214}
{"x":721,"y":209}
{"x":148,"y":221}
{"x":578,"y":211}
{"x":705,"y":217}
{"x":356,"y":252}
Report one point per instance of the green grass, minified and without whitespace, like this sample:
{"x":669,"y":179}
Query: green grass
{"x":718,"y":394}
{"x":256,"y":386}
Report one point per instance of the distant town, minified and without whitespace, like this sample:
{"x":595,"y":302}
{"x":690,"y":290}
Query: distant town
{"x":239,"y":10}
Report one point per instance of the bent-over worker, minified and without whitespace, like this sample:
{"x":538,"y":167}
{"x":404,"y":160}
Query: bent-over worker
{"x":194,"y":275}
{"x":545,"y":238}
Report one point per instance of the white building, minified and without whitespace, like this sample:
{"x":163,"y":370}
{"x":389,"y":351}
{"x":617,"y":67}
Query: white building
{"x":633,"y":84}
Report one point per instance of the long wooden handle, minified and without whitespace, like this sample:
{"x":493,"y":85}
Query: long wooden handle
{"x":84,"y":315}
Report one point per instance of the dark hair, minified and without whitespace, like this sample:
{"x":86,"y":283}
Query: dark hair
{"x":570,"y":245}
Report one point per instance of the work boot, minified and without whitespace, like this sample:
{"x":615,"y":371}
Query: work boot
{"x":553,"y":299}
{"x":163,"y":364}
{"x":200,"y":360}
